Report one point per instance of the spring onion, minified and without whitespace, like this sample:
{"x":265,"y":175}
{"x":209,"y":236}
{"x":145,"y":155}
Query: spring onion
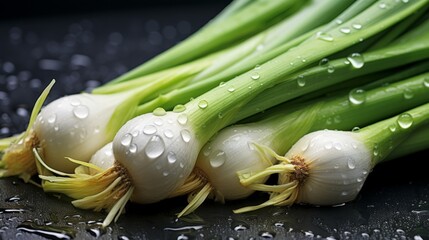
{"x":156,"y":152}
{"x":330,"y":167}
{"x":248,"y":148}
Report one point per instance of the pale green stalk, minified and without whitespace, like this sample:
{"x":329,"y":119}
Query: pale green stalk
{"x":245,"y":19}
{"x":417,"y":142}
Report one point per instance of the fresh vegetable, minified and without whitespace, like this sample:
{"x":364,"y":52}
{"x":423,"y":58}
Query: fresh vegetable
{"x":156,"y":152}
{"x":330,"y":167}
{"x":250,"y":147}
{"x":242,"y":18}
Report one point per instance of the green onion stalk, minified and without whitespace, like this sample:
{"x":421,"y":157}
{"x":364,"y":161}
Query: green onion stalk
{"x":241,"y":19}
{"x":249,"y":148}
{"x":155,"y":152}
{"x":329,"y":167}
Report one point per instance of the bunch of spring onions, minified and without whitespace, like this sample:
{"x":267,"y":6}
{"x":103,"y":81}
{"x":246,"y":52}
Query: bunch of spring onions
{"x":329,"y":167}
{"x":155,"y":153}
{"x":249,"y":148}
{"x":72,"y":126}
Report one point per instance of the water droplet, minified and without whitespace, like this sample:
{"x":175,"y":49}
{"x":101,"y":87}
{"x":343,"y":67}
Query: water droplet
{"x":155,"y":147}
{"x":337,"y":146}
{"x":168,"y":133}
{"x":126,"y":139}
{"x":375,"y":150}
{"x":181,"y":165}
{"x":357,"y":26}
{"x":267,"y":235}
{"x":182,"y":119}
{"x":356,"y":60}
{"x":158,"y":121}
{"x":179,"y":108}
{"x":382,"y":5}
{"x":221,"y":84}
{"x":240,"y":227}
{"x":338,"y":21}
{"x":220,"y":115}
{"x":357,"y":96}
{"x":344,"y":193}
{"x":165,"y":173}
{"x":331,"y":69}
{"x":159,"y":111}
{"x":324,"y":62}
{"x":359,"y":179}
{"x":74,"y":102}
{"x":300,"y":81}
{"x":392,"y":127}
{"x":355,"y":129}
{"x":351,"y":163}
{"x":203,"y":104}
{"x":81,"y":111}
{"x":171,"y":157}
{"x":254,"y":76}
{"x":328,"y":145}
{"x":186,"y":135}
{"x":405,"y":120}
{"x":231,"y":89}
{"x":345,"y":30}
{"x":426,"y":82}
{"x":149,"y":129}
{"x":133,"y":148}
{"x":218,"y":159}
{"x":324,"y":36}
{"x":15,"y":198}
{"x":408,"y":93}
{"x":52,"y":118}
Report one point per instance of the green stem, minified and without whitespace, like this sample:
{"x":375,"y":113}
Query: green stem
{"x":243,"y":21}
{"x":418,"y":141}
{"x":383,"y":137}
{"x":237,"y":92}
{"x":339,"y":112}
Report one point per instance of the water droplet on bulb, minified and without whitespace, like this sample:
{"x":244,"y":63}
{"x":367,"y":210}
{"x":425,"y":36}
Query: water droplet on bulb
{"x":405,"y":120}
{"x":324,"y":36}
{"x":74,"y":102}
{"x":337,"y":146}
{"x":155,"y":147}
{"x":218,"y":159}
{"x":186,"y":135}
{"x":328,"y":145}
{"x":171,"y":157}
{"x":81,"y":112}
{"x":356,"y":60}
{"x":203,"y":104}
{"x":357,"y":96}
{"x":351,"y":163}
{"x":52,"y":118}
{"x":168,"y":133}
{"x":149,"y":129}
{"x":133,"y":148}
{"x":126,"y":139}
{"x":182,"y":119}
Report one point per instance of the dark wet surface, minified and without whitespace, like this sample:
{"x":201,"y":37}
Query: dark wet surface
{"x":82,"y":51}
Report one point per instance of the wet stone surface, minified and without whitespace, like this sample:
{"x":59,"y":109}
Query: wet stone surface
{"x":83,"y":51}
